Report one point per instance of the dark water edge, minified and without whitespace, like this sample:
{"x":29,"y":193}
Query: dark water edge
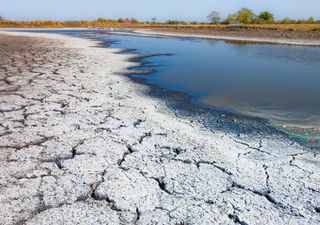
{"x":183,"y":105}
{"x":305,"y":134}
{"x":213,"y":118}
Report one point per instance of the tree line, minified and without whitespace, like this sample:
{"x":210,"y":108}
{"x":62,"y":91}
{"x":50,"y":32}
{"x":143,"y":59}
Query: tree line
{"x":243,"y":16}
{"x":247,"y":16}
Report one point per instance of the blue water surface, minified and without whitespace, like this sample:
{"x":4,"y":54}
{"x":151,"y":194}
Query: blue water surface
{"x":277,"y":82}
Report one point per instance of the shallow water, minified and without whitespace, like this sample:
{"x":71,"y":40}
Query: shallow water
{"x":278,"y":83}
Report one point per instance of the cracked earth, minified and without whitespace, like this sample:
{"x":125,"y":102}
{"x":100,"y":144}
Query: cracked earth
{"x":81,"y":144}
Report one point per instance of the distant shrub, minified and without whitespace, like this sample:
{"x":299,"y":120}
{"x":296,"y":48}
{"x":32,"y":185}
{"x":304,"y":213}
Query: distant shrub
{"x":154,"y":19}
{"x":287,"y":21}
{"x":101,"y":20}
{"x":134,"y":20}
{"x":310,"y":20}
{"x":229,"y":19}
{"x":174,"y":22}
{"x":265,"y":17}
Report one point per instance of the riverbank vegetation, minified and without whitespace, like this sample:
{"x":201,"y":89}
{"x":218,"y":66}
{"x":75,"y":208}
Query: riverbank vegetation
{"x":245,"y":17}
{"x":101,"y":22}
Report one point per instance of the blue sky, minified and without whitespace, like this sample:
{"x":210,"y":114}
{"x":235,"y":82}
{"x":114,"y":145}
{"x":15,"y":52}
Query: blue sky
{"x":191,"y":10}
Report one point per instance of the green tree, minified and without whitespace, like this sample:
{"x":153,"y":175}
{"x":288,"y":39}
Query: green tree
{"x":266,"y":17}
{"x":120,"y":20}
{"x":1,"y":18}
{"x":134,"y":20}
{"x":101,"y":20}
{"x":310,"y":20}
{"x":230,"y":18}
{"x":154,"y":19}
{"x":214,"y":17}
{"x":245,"y":16}
{"x":287,"y":21}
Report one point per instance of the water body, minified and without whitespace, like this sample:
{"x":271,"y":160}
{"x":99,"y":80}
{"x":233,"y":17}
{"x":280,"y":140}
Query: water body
{"x":277,"y":83}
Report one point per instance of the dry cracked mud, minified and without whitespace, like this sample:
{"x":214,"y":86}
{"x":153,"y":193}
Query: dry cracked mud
{"x":81,"y":144}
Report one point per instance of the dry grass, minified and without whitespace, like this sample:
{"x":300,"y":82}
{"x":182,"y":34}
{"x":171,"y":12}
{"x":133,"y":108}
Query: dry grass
{"x":90,"y":24}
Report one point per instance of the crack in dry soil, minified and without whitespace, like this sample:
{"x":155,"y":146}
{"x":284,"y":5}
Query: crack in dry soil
{"x":77,"y":138}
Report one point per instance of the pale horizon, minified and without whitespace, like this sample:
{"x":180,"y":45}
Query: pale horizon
{"x":144,"y":10}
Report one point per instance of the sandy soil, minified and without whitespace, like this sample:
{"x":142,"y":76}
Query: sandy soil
{"x":279,"y":36}
{"x":82,"y":144}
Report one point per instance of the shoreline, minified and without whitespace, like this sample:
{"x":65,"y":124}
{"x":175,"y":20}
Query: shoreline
{"x":130,"y":159}
{"x":182,"y":103}
{"x":195,"y":109}
{"x":266,"y":40}
{"x":150,"y":32}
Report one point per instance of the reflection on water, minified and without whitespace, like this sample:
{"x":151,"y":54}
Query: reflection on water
{"x":279,"y":83}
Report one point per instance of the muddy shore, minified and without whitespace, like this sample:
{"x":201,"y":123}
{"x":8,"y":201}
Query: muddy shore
{"x":280,"y":36}
{"x":82,"y":144}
